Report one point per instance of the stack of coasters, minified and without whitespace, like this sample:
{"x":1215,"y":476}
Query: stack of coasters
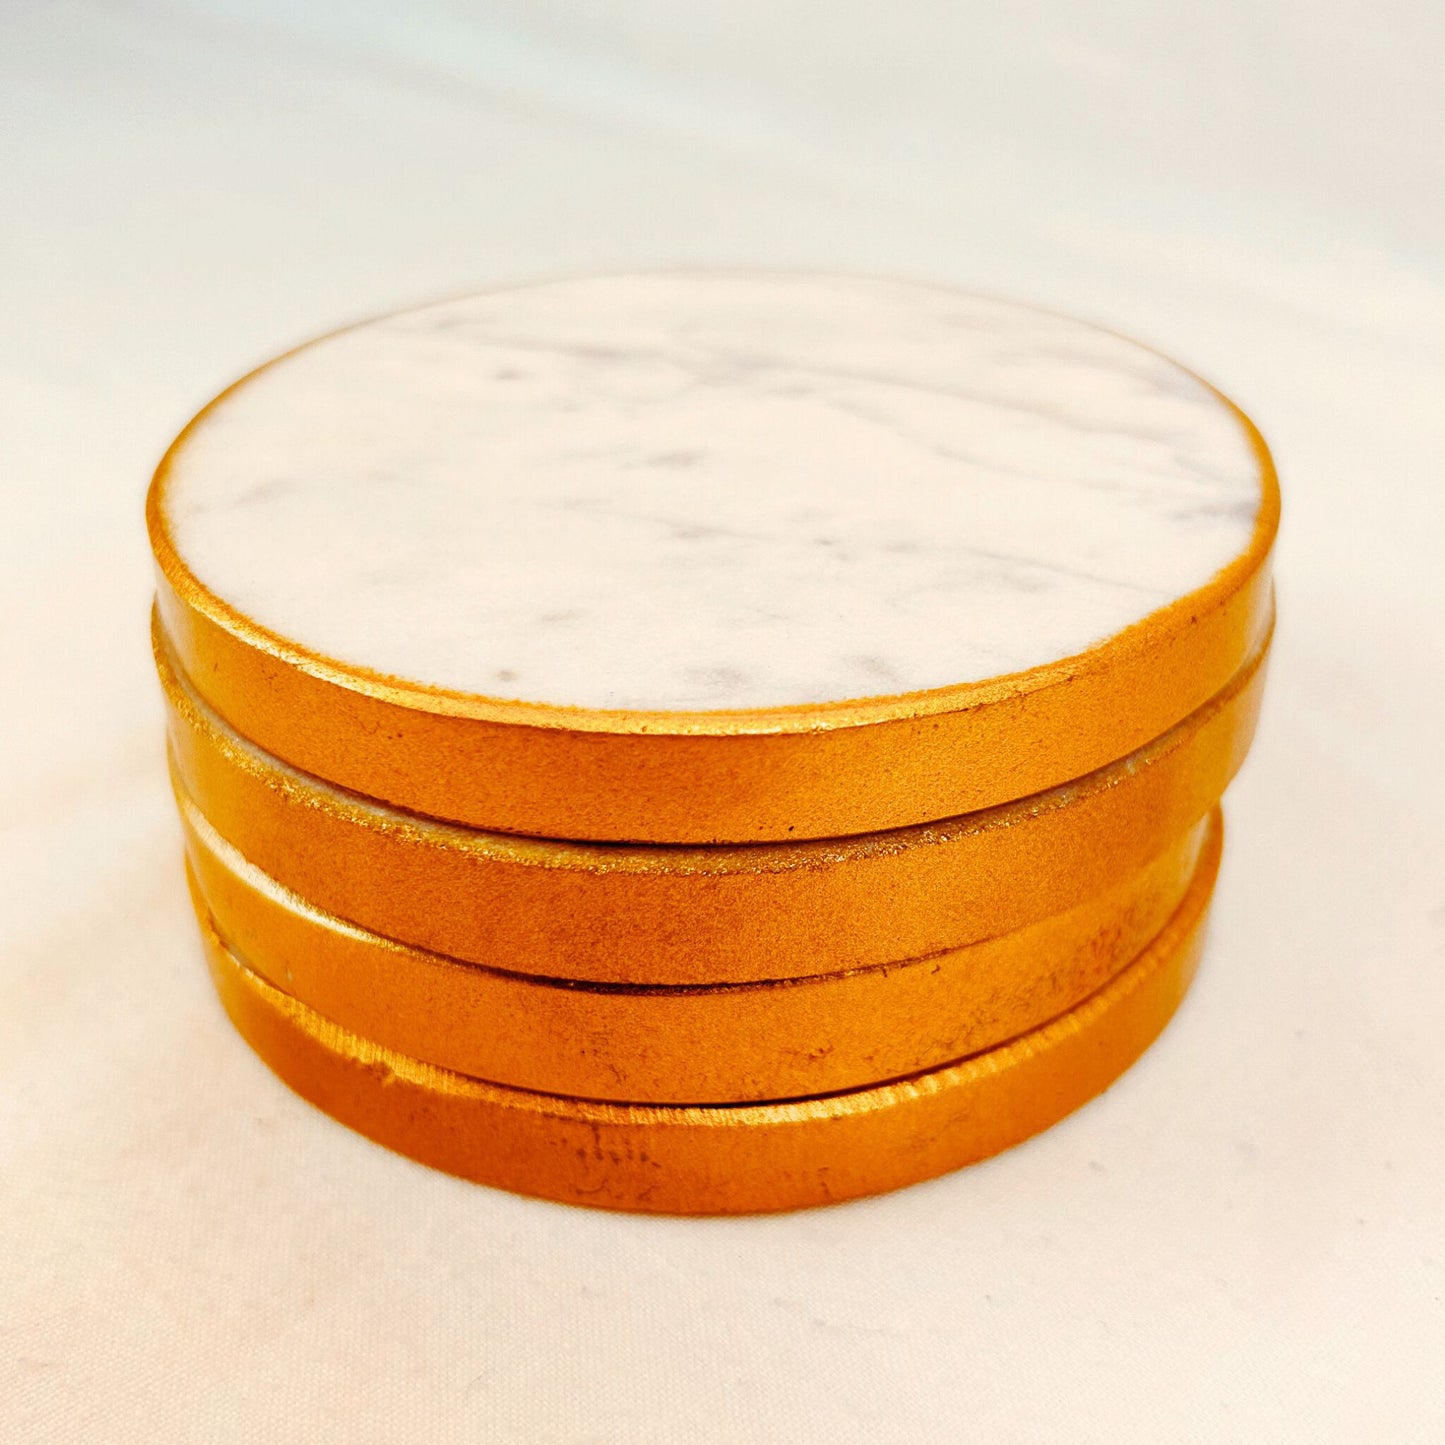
{"x":709,"y":742}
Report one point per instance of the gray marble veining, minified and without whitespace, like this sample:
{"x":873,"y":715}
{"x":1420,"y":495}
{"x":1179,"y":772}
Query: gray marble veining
{"x":712,"y":490}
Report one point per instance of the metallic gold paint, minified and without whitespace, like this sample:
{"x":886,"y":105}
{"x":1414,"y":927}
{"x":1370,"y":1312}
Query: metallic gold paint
{"x":693,"y":1045}
{"x":690,"y":915}
{"x":828,"y":770}
{"x":725,"y":1160}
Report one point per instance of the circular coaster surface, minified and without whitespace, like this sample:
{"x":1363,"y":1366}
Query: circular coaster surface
{"x":777,"y":1040}
{"x":713,"y":557}
{"x":729,"y":1159}
{"x":694,"y":915}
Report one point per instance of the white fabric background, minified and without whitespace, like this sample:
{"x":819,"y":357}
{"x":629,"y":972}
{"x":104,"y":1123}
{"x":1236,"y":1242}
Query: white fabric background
{"x":1243,"y":1240}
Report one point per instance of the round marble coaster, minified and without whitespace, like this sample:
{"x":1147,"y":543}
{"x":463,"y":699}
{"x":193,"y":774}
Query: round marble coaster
{"x":770,"y":1041}
{"x":713,"y":557}
{"x":727,"y":1159}
{"x":695,"y":915}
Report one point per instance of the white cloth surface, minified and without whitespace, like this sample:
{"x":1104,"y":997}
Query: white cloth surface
{"x":1243,"y":1239}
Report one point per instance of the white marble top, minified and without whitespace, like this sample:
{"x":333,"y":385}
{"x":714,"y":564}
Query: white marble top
{"x":712,"y":490}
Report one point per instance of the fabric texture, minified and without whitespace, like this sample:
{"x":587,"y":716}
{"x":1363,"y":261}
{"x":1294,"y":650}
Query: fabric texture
{"x":1241,"y":1240}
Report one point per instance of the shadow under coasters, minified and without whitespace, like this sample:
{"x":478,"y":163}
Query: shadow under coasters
{"x":731,"y":1159}
{"x":713,"y":557}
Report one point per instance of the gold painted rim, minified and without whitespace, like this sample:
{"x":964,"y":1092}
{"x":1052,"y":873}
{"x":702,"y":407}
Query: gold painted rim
{"x":725,"y":775}
{"x":692,"y":915}
{"x":707,"y":1043}
{"x":731,"y":1159}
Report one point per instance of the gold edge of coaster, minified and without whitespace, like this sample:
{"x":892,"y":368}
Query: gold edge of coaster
{"x":724,"y":1160}
{"x":769,"y":1040}
{"x":670,"y":915}
{"x":822,"y":771}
